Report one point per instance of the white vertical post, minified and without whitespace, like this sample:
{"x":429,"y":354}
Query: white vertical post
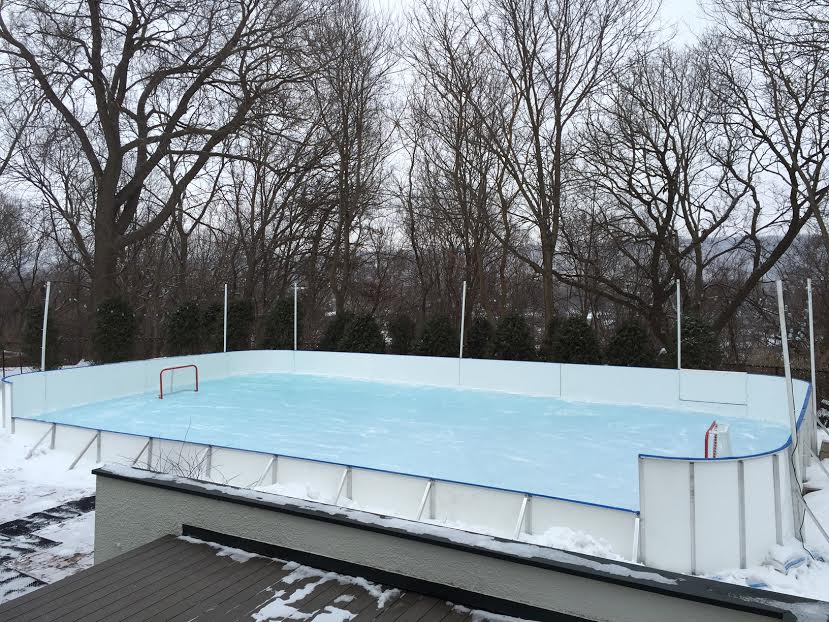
{"x":295,"y":317}
{"x":784,"y":338}
{"x":463,"y":317}
{"x":678,"y":327}
{"x":295,"y":325}
{"x":225,"y":322}
{"x":812,"y":349}
{"x":43,"y":333}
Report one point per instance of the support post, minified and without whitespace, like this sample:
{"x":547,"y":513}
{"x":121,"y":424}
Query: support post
{"x":96,"y":437}
{"x":426,"y":494}
{"x":784,"y":339}
{"x":224,"y":341}
{"x":43,"y":333}
{"x":463,"y":318}
{"x":141,"y":453}
{"x":812,"y":354}
{"x":295,"y":316}
{"x":296,"y":307}
{"x":678,"y":327}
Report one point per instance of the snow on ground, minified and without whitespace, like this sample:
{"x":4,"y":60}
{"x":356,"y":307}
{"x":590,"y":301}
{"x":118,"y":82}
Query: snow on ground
{"x":74,"y":551}
{"x":29,"y":485}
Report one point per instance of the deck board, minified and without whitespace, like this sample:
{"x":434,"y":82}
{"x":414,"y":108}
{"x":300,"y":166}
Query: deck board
{"x":176,"y":580}
{"x":61,"y":589}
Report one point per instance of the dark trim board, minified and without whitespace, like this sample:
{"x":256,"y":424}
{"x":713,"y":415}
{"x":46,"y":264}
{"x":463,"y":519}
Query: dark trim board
{"x":630,"y":582}
{"x":459,"y":596}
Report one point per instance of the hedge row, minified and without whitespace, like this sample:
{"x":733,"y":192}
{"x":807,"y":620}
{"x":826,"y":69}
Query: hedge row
{"x":567,"y":340}
{"x":191,"y":329}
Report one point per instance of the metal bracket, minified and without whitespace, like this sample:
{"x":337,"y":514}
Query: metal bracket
{"x":519,"y":524}
{"x":426,"y":493}
{"x":95,"y":437}
{"x":49,"y":431}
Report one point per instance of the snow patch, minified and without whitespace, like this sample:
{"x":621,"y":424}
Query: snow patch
{"x":29,"y":485}
{"x":237,"y":555}
{"x":74,"y":551}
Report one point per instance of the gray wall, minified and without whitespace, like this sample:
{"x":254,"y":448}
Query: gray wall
{"x":131,"y":513}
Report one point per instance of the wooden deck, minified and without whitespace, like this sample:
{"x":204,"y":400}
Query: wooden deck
{"x":175,"y":580}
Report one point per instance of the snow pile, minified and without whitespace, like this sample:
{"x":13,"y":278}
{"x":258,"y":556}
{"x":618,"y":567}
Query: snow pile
{"x":568,"y":539}
{"x":282,"y":606}
{"x":29,"y":485}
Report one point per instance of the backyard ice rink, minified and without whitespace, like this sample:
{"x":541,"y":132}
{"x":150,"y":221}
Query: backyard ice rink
{"x":573,"y":450}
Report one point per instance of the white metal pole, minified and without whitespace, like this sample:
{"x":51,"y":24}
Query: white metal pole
{"x":678,"y":327}
{"x":463,"y":317}
{"x":43,"y":332}
{"x":295,"y":327}
{"x":225,"y":322}
{"x":784,"y":338}
{"x":295,"y":317}
{"x":812,"y":349}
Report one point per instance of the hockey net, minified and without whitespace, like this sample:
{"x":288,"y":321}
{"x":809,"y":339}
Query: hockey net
{"x":178,"y":378}
{"x":717,"y":441}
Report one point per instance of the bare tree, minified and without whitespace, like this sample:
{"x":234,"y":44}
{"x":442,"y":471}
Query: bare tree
{"x":126,"y":86}
{"x":23,"y":244}
{"x":774,"y":93}
{"x":555,"y":55}
{"x":354,"y":49}
{"x":454,"y":85}
{"x":655,"y":195}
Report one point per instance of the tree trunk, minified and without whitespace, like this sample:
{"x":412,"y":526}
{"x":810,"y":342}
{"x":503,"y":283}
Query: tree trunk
{"x":547,"y":277}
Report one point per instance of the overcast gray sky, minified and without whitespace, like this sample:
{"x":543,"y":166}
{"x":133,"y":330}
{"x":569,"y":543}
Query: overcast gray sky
{"x":685,"y":15}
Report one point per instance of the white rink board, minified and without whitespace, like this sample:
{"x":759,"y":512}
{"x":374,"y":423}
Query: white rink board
{"x":667,"y":529}
{"x":717,"y":516}
{"x":759,"y":505}
{"x":724,"y":387}
{"x":665,"y":509}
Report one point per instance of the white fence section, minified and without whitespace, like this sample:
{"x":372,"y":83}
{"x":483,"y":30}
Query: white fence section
{"x":695,"y":515}
{"x":702,"y":516}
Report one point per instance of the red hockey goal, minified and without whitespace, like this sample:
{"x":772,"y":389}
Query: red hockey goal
{"x":717,"y":441}
{"x":172,"y":369}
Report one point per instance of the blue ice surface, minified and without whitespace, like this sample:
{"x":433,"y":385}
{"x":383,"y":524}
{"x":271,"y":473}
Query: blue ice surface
{"x":574,"y":450}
